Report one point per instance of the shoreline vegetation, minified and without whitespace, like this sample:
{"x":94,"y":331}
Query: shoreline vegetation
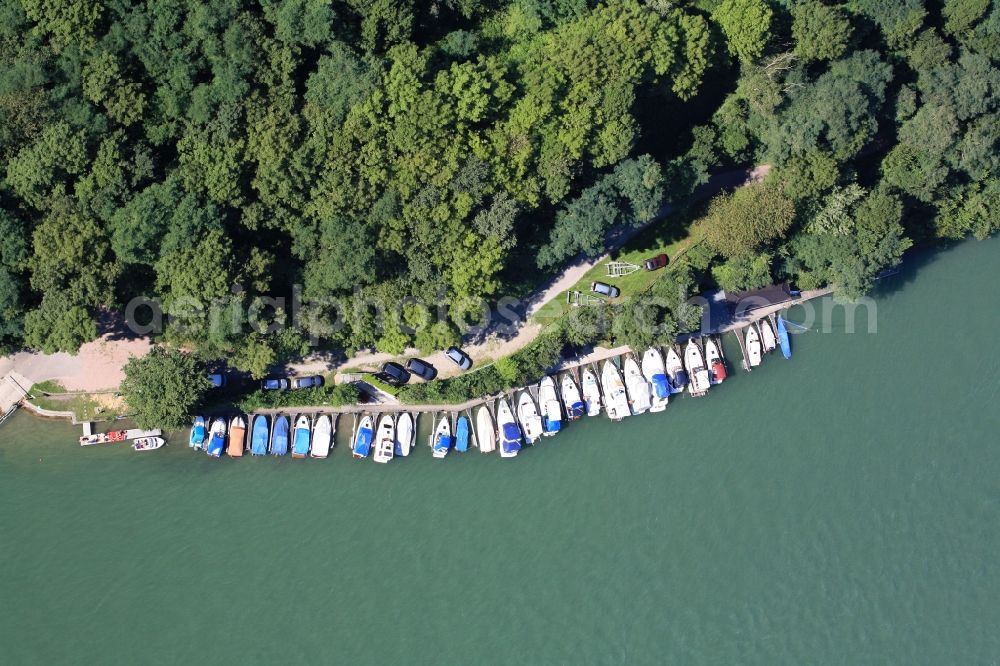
{"x":215,"y":161}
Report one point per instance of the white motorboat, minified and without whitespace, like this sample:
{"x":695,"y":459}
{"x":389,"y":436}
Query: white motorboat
{"x":575,"y":407}
{"x":656,"y":374}
{"x":675,"y":371}
{"x":716,"y":364}
{"x":769,"y":341}
{"x":385,"y":439}
{"x":527,"y":414}
{"x":753,"y":346}
{"x":695,"y":362}
{"x":486,"y":434}
{"x":615,"y":398}
{"x":148,"y":443}
{"x":322,"y":437}
{"x":551,"y":409}
{"x":591,"y":392}
{"x":510,"y":434}
{"x":404,"y":434}
{"x":638,"y":388}
{"x":442,"y":438}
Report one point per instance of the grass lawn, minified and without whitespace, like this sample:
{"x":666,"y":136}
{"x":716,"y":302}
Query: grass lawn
{"x":86,"y":406}
{"x":671,"y":236}
{"x":49,"y":386}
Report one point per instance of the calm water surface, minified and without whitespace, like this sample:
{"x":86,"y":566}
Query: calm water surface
{"x":841,"y":508}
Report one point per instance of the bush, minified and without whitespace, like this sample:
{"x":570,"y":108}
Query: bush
{"x":338,"y":395}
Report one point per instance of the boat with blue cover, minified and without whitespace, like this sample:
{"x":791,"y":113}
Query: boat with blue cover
{"x":551,"y":411}
{"x":655,"y":373}
{"x":363,"y":438}
{"x":442,"y":438}
{"x":510,"y":434}
{"x":786,"y":345}
{"x":675,"y":371}
{"x":279,"y":436}
{"x":259,"y":436}
{"x":217,"y":438}
{"x":575,"y":406}
{"x":300,"y":438}
{"x":198,"y":434}
{"x":462,"y":435}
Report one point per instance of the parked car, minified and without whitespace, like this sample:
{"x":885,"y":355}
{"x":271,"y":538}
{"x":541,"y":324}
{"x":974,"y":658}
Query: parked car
{"x":218,"y":380}
{"x":659,"y":261}
{"x":460,"y":358}
{"x":393,"y":374}
{"x":313,"y":381}
{"x":605,"y":289}
{"x":279,"y":384}
{"x":421,"y":369}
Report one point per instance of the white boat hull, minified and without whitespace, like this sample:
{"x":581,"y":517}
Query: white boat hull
{"x":591,"y":393}
{"x":616,"y":400}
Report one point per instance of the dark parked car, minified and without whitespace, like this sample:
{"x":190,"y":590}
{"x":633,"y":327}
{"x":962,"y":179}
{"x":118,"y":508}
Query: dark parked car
{"x":393,"y":374}
{"x":315,"y":381}
{"x":605,"y":289}
{"x":421,"y":369}
{"x":274,"y":384}
{"x":659,"y":261}
{"x":460,"y":358}
{"x":218,"y":380}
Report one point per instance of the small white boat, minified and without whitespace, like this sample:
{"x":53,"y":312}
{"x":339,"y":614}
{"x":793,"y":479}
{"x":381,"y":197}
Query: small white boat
{"x":551,"y":410}
{"x":385,"y":439}
{"x":486,"y":434}
{"x":675,"y":371}
{"x":302,"y":437}
{"x":322,"y":437}
{"x":716,"y":365}
{"x":575,"y":408}
{"x":768,"y":339}
{"x":404,"y":434}
{"x":527,"y":414}
{"x":638,"y":388}
{"x":695,"y":362}
{"x":753,"y":346}
{"x":509,"y":433}
{"x":591,"y":392}
{"x":656,"y":374}
{"x":615,"y":398}
{"x":148,"y":443}
{"x":442,"y":438}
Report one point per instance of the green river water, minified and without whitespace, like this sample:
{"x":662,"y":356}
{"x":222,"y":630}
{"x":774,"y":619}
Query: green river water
{"x":840,"y":508}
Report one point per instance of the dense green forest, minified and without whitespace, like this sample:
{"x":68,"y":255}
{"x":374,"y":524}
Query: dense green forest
{"x":448,"y":151}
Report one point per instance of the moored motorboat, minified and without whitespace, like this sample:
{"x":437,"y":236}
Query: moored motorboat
{"x":300,"y":436}
{"x":462,"y":434}
{"x":638,"y":388}
{"x":698,"y":382}
{"x":111,"y":437}
{"x":527,"y":414}
{"x":363,"y":437}
{"x":237,"y":437}
{"x":259,"y":436}
{"x":575,"y":407}
{"x":655,"y":373}
{"x":551,"y":410}
{"x":768,"y":341}
{"x":510,"y":434}
{"x":442,"y":438}
{"x":322,"y":436}
{"x":786,"y":344}
{"x":716,"y":363}
{"x":615,"y":399}
{"x":279,"y":436}
{"x":753,"y":346}
{"x":148,"y":443}
{"x":486,"y":434}
{"x":217,"y":438}
{"x":404,"y":435}
{"x":198,"y":434}
{"x":675,"y":371}
{"x":385,"y":439}
{"x":591,"y":392}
